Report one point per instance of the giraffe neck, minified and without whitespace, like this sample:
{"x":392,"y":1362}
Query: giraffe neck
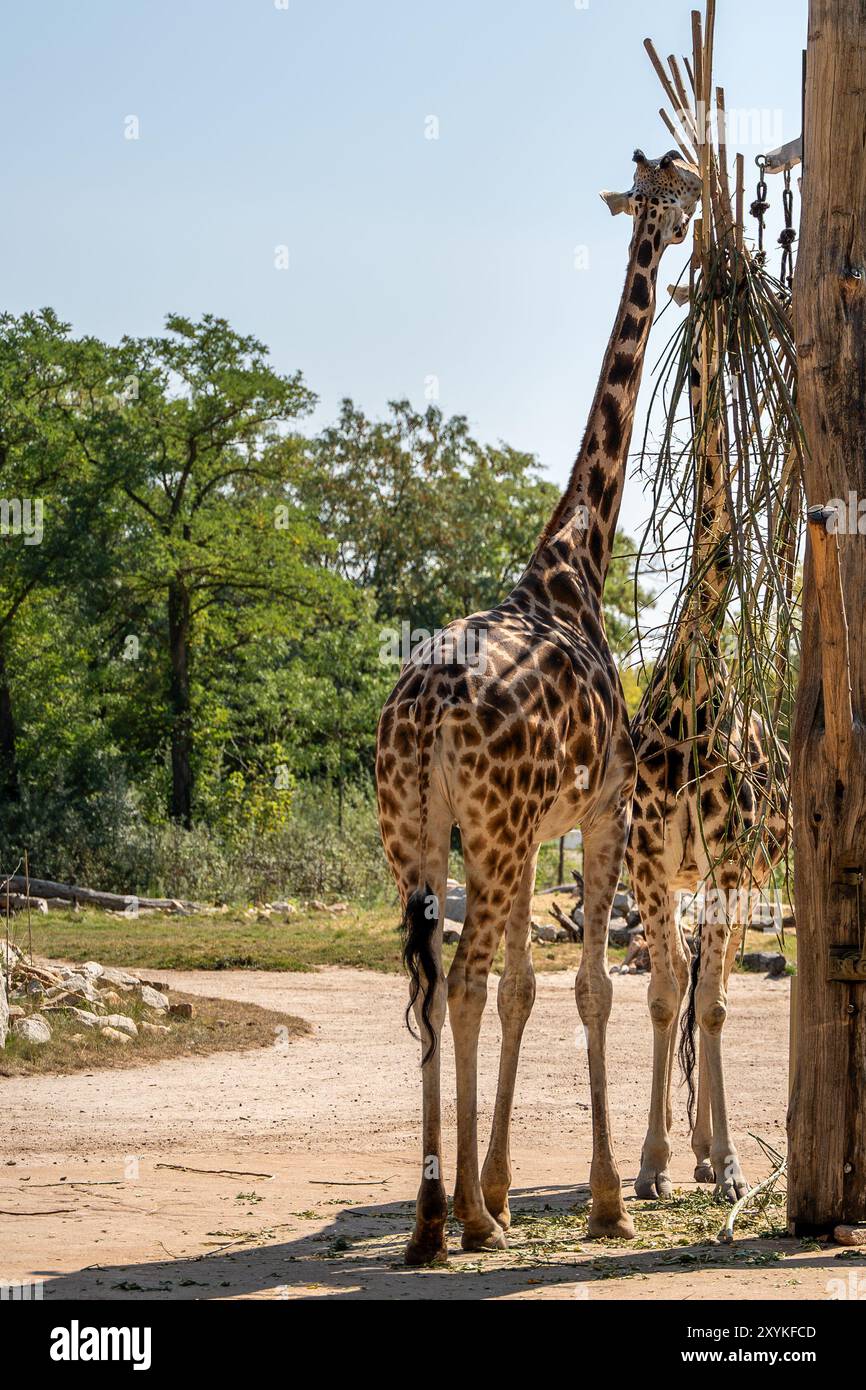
{"x":711,"y":557}
{"x":585,"y":518}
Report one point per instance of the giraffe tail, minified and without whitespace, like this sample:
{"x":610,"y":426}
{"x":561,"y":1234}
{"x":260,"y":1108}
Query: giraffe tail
{"x":420,"y":920}
{"x":421,"y":915}
{"x":687,"y":1051}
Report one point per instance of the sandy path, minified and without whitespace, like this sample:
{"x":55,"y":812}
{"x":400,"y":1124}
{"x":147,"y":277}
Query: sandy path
{"x":334,"y":1117}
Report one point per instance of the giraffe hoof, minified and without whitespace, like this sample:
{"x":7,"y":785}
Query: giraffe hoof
{"x":731,"y":1191}
{"x":428,"y":1248}
{"x":655,"y":1188}
{"x":705,"y":1172}
{"x":484,"y":1239}
{"x":618,"y":1226}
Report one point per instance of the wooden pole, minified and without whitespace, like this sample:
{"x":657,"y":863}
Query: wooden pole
{"x":827,"y":1110}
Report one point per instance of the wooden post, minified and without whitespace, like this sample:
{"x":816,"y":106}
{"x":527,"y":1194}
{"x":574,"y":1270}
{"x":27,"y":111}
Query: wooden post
{"x":827,"y":1110}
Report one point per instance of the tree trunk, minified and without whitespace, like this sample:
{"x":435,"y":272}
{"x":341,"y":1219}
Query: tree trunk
{"x":827,"y":1112}
{"x":9,"y":783}
{"x":179,"y":626}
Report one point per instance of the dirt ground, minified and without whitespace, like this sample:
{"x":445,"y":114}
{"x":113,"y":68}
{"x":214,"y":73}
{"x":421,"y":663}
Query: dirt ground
{"x":321,"y":1135}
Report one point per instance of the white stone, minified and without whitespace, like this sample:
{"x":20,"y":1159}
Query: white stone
{"x":33,"y":1029}
{"x":153,"y":999}
{"x":115,"y":1035}
{"x":121,"y":1022}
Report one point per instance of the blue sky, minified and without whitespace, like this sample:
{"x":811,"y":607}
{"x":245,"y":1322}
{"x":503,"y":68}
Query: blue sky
{"x":304,"y":126}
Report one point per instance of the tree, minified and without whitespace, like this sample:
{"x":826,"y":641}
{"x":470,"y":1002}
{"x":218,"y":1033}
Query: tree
{"x":49,"y":529}
{"x":201,"y":454}
{"x":435,"y":524}
{"x":827,"y":1112}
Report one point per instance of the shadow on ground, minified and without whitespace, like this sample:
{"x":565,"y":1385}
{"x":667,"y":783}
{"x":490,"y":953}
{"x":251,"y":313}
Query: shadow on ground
{"x":359,"y":1256}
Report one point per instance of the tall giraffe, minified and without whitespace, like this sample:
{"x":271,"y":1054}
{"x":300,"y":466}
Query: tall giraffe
{"x":703,"y":785}
{"x":515,"y":749}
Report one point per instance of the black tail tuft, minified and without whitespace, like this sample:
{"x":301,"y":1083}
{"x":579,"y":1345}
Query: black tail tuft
{"x":420,"y":921}
{"x":687,"y":1053}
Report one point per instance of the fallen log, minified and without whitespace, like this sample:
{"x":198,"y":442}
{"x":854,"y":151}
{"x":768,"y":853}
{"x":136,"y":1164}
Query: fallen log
{"x":69,"y":892}
{"x":17,"y":902}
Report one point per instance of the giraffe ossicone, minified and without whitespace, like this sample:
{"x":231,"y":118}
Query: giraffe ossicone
{"x":519,"y":752}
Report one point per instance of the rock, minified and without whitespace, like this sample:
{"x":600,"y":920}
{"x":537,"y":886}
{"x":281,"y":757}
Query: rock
{"x":33,"y":1029}
{"x":622,"y":904}
{"x":542,"y":932}
{"x":34,"y":989}
{"x":81,"y":1016}
{"x":451,"y":932}
{"x":455,"y":901}
{"x":71,"y":999}
{"x":563,"y":935}
{"x":121,"y":979}
{"x":619,"y":933}
{"x":184,"y":1010}
{"x":288,"y":908}
{"x":633,"y":918}
{"x":577,"y":917}
{"x":15,"y":1011}
{"x":153,"y":999}
{"x":120,"y":1023}
{"x":114,"y":1035}
{"x":110,"y":996}
{"x":152,"y":1029}
{"x":850,"y":1235}
{"x":75,"y":982}
{"x":771,"y":961}
{"x":93,"y":969}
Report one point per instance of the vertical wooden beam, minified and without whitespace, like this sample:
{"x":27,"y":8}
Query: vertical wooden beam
{"x":827,"y":1110}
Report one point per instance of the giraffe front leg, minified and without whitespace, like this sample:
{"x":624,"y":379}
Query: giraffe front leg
{"x":515,"y":997}
{"x":604,"y":845}
{"x":664,"y":996}
{"x":702,"y":1135}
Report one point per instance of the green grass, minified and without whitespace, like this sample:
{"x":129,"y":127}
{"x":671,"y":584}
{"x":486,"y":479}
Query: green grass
{"x":225,"y":941}
{"x":361,"y":937}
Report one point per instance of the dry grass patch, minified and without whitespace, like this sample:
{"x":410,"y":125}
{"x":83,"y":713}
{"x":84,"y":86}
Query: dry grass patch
{"x":217,"y":1025}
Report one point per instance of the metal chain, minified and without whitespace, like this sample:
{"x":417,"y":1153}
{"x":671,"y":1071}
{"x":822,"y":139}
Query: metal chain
{"x":787,"y":236}
{"x":760,"y":206}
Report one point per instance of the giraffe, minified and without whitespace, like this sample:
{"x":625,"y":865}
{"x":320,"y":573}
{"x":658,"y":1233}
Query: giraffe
{"x":703,"y":786}
{"x":512,"y":725}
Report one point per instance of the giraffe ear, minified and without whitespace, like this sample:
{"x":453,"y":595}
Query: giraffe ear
{"x":617,"y":202}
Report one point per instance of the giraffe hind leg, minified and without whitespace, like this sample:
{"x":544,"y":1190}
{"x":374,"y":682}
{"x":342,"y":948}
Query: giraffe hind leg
{"x":427,"y":1244}
{"x":667,"y":985}
{"x":514,"y":999}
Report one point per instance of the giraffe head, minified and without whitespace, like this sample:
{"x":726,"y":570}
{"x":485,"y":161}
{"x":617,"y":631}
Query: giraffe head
{"x":666,"y":190}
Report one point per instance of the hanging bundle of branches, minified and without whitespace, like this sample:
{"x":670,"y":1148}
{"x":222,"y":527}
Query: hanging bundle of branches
{"x":724,"y":465}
